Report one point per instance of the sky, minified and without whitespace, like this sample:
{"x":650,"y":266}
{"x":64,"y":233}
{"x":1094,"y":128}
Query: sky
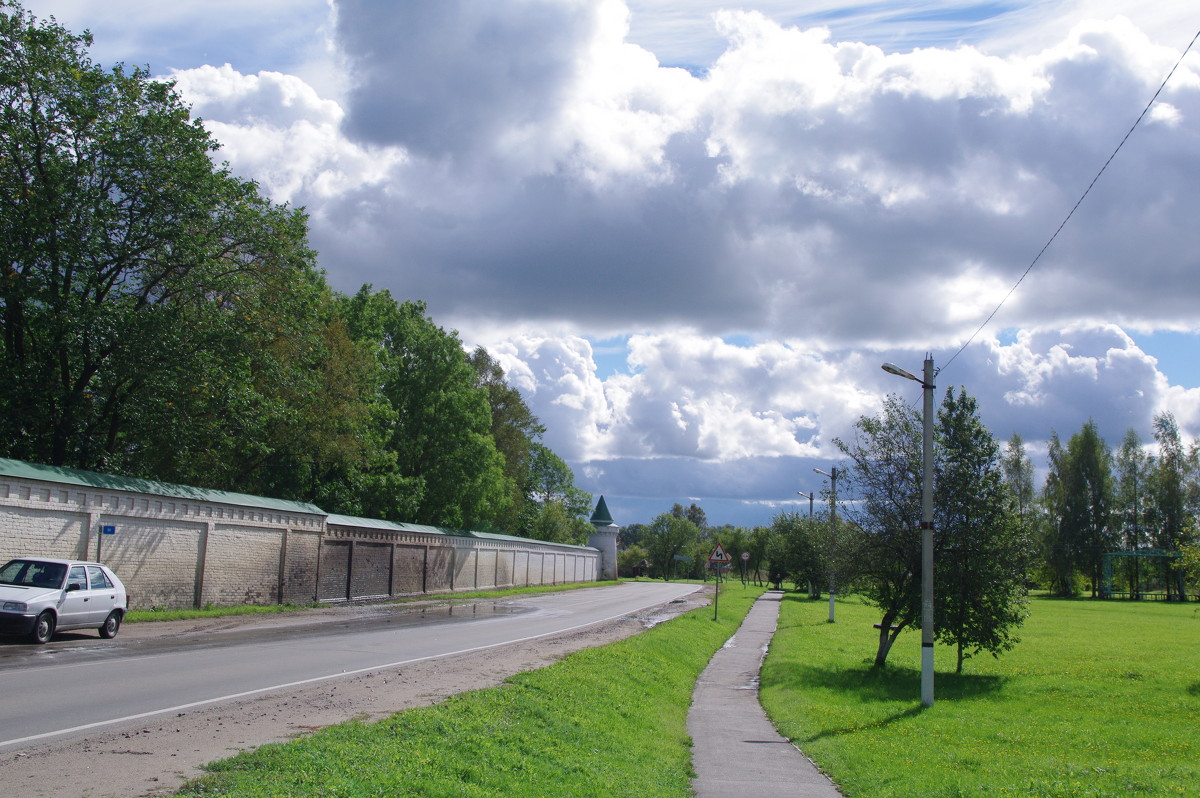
{"x":691,"y":232}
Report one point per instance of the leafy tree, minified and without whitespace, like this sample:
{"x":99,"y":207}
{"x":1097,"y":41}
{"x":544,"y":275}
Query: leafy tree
{"x":631,"y":535}
{"x":885,"y":473}
{"x":795,"y":553}
{"x":1190,"y":564}
{"x":760,"y":541}
{"x":556,"y":522}
{"x":1018,"y":475}
{"x":1059,"y":553}
{"x":515,"y":432}
{"x":1173,"y":520}
{"x":666,"y":536}
{"x":692,"y":513}
{"x":138,"y":278}
{"x":439,"y":421}
{"x":1087,"y":500}
{"x":978,"y":583}
{"x":632,"y":561}
{"x":551,"y":479}
{"x":1131,"y":503}
{"x":982,"y":552}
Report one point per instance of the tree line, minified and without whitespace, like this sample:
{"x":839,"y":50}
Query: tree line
{"x":162,"y":319}
{"x":1139,"y":503}
{"x":996,"y":536}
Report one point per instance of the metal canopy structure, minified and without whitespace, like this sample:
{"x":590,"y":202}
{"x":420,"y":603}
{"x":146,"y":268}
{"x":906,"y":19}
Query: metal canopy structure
{"x":1146,"y":573}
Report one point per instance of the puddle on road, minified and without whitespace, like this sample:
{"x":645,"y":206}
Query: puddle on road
{"x":365,"y":618}
{"x":465,"y":612}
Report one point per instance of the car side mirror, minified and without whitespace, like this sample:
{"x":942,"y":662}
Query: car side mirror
{"x":73,"y":586}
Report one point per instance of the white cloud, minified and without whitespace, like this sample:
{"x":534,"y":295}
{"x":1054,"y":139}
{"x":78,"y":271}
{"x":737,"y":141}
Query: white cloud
{"x":483,"y":160}
{"x":535,"y":173}
{"x":276,"y":128}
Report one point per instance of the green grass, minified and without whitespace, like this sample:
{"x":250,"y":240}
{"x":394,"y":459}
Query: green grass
{"x":144,"y":616}
{"x":607,"y":721}
{"x":1099,"y":699}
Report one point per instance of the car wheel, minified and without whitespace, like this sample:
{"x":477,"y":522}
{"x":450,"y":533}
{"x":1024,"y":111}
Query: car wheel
{"x":43,"y":627}
{"x":111,"y":624}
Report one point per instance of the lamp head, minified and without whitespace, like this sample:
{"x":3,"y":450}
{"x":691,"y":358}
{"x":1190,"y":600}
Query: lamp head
{"x":892,"y":368}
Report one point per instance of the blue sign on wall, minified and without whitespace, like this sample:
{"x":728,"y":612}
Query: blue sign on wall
{"x":108,"y":530}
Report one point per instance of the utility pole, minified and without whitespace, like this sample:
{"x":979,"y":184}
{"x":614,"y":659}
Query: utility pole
{"x":926,"y":523}
{"x":832,"y":533}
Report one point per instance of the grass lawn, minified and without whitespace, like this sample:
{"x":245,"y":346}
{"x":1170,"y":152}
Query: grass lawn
{"x":1099,"y":699}
{"x":607,"y":721}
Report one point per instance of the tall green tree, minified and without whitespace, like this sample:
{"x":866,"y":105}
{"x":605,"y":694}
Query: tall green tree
{"x":760,"y":541}
{"x":885,"y":476}
{"x":796,"y":550}
{"x":439,"y":420}
{"x":135,"y":273}
{"x":982,"y":556}
{"x":979,"y":551}
{"x":1131,"y":501}
{"x":1060,"y":555}
{"x":1087,"y":501}
{"x":693,"y":513}
{"x":550,"y":479}
{"x":1173,"y":519}
{"x":515,"y":432}
{"x":555,"y":522}
{"x":1017,"y":469}
{"x":665,"y":537}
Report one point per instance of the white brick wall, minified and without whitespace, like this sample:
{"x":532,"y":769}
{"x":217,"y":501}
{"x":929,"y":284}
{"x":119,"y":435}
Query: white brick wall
{"x":174,"y":552}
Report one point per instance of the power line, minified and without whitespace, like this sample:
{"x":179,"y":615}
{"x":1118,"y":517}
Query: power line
{"x":1079,"y":202}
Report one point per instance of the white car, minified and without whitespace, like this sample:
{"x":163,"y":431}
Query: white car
{"x":40,"y":596}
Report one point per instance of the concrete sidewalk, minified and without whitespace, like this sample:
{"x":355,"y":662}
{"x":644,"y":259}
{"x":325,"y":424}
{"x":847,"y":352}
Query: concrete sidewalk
{"x":736,"y":751}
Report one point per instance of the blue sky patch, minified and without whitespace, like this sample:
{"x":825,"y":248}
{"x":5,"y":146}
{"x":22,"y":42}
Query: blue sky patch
{"x":1178,"y":354}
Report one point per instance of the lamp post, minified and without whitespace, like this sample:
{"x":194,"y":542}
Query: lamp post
{"x":812,"y":590}
{"x":808,"y":496}
{"x":832,"y":531}
{"x":926,"y":525}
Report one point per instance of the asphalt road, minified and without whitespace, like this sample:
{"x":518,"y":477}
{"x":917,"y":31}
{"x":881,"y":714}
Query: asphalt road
{"x":78,"y":682}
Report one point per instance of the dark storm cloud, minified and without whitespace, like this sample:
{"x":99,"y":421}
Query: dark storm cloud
{"x":449,"y":76}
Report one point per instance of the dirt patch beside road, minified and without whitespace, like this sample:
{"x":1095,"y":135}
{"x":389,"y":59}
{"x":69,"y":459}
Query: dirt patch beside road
{"x":158,"y":754}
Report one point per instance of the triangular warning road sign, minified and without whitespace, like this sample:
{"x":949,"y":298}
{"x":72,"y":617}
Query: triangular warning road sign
{"x":719,"y":554}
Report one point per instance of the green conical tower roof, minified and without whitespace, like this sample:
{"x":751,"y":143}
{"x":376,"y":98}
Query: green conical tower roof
{"x":602,"y":517}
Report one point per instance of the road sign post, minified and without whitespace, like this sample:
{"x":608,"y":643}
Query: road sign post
{"x":718,"y":558}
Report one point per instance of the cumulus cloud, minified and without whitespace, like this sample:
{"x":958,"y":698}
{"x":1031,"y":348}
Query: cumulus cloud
{"x":276,"y":128}
{"x":800,"y":187}
{"x":745,"y":422}
{"x":761,"y":230}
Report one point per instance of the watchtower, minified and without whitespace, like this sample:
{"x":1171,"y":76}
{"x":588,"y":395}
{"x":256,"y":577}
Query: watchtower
{"x":604,"y":538}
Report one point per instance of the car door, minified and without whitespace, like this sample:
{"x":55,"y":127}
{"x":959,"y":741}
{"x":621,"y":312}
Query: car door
{"x":74,"y":605}
{"x":103,"y":595}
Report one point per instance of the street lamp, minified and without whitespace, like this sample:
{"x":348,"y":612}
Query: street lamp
{"x":808,"y":496}
{"x":926,"y":525}
{"x":832,"y":530}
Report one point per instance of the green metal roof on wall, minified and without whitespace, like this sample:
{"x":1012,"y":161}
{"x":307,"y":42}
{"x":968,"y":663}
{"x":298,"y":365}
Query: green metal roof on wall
{"x":92,"y":479}
{"x":497,"y":536}
{"x":334,"y":519}
{"x":391,"y":526}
